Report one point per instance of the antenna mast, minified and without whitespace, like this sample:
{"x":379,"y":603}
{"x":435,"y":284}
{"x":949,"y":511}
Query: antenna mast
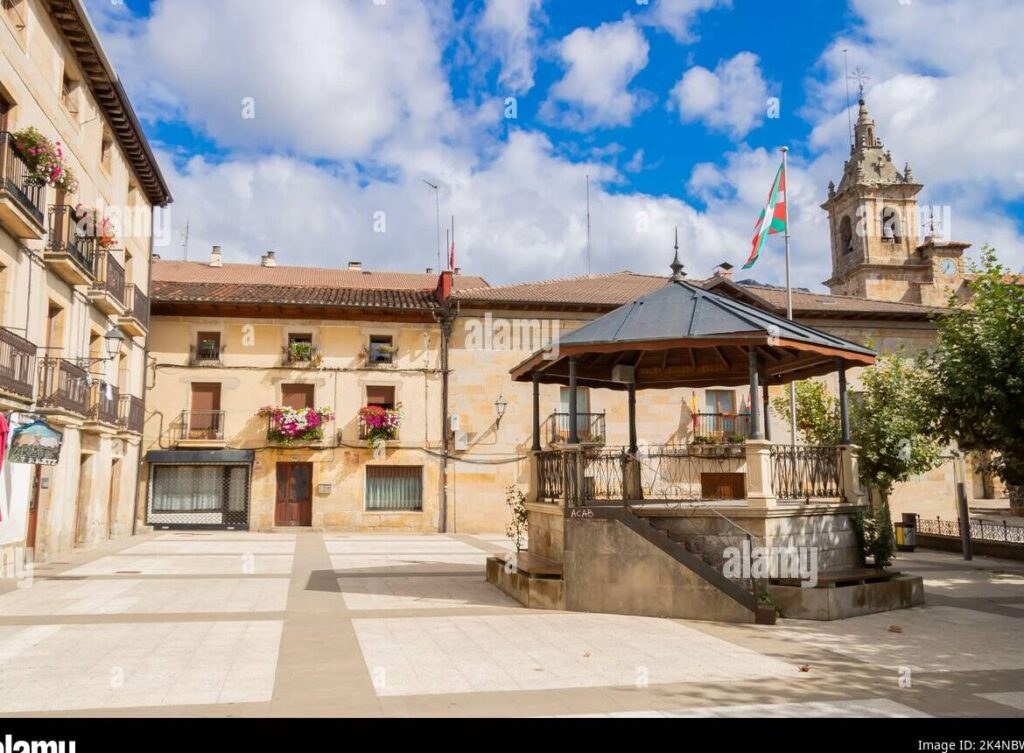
{"x":437,"y":210}
{"x":589,"y":251}
{"x":184,"y":238}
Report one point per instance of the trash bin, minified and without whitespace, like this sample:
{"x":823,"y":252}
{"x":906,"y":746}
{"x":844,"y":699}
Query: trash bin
{"x":906,"y":533}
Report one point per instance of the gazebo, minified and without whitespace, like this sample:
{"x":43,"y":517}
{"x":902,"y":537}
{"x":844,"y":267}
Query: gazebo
{"x":681,"y":506}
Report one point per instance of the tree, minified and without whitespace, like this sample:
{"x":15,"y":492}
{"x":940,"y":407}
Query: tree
{"x":978,"y":373}
{"x":817,"y":412}
{"x":890,"y":422}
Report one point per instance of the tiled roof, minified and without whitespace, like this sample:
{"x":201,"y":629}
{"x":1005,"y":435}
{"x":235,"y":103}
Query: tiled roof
{"x":165,"y":270}
{"x":623,"y":287}
{"x":222,"y":292}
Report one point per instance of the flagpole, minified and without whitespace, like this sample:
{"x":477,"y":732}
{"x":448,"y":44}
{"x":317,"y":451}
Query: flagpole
{"x":789,"y":298}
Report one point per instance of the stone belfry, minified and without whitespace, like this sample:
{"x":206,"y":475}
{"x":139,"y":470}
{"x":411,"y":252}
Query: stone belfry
{"x":875,"y":230}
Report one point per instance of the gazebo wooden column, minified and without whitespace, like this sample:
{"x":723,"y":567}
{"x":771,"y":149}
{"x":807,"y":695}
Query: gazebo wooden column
{"x":536,"y":413}
{"x":755,"y":397}
{"x":574,"y":437}
{"x":767,"y":413}
{"x":632,"y":419}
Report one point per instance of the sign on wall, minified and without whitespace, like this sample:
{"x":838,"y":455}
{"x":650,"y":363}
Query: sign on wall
{"x":36,"y":444}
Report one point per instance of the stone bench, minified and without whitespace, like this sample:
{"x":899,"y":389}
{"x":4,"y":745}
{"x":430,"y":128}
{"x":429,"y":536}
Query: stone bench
{"x":840,"y":578}
{"x":533,"y":581}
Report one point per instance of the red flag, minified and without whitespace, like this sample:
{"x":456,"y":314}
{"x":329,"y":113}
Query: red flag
{"x":451,"y":256}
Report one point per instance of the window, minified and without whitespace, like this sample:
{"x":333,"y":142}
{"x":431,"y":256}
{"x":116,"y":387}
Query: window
{"x":845,"y":235}
{"x":69,"y":93}
{"x":394,"y":487}
{"x":205,"y":419}
{"x":297,"y":396}
{"x":106,"y":150}
{"x":199,"y":488}
{"x":720,"y":401}
{"x":300,"y":348}
{"x":891,"y":225}
{"x":207,"y":346}
{"x":582,"y":400}
{"x":383,"y":397}
{"x":382,"y":349}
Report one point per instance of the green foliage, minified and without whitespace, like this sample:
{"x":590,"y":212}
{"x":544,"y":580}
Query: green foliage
{"x":978,"y":372}
{"x":516,"y":529}
{"x":874,"y":534}
{"x":817,"y":412}
{"x":891,"y":425}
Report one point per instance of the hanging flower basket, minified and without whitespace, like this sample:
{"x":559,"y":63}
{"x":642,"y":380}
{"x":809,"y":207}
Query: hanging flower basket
{"x":288,"y":425}
{"x":44,"y":160}
{"x":380,"y":424}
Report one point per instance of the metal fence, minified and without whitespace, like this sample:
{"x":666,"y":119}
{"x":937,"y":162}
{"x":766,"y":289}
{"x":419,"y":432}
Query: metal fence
{"x":982,"y":530}
{"x":590,"y":428}
{"x":805,"y":471}
{"x":721,"y":426}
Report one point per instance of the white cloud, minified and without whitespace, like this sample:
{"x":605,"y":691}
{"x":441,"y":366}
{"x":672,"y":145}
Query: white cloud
{"x":600,"y":64}
{"x":508,"y":30}
{"x":731,"y":98}
{"x":677,"y":17}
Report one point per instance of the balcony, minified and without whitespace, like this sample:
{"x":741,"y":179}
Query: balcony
{"x":135,"y":320}
{"x":104,"y":400}
{"x":63,"y":387}
{"x":715,"y":428}
{"x":71,"y":254}
{"x":107,"y":291}
{"x":17,"y":365}
{"x":132,"y":414}
{"x":590,"y":428}
{"x":206,"y":353}
{"x":201,"y":428}
{"x":22,"y":204}
{"x":302,"y":354}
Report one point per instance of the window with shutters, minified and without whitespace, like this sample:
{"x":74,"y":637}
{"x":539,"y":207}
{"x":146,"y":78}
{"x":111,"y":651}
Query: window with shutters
{"x":297,"y":396}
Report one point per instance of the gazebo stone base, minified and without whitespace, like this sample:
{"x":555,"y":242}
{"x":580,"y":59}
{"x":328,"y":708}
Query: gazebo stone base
{"x":839,"y":603}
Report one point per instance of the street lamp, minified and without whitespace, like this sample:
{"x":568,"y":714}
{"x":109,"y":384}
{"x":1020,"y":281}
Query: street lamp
{"x":500,"y":405}
{"x":112,"y":345}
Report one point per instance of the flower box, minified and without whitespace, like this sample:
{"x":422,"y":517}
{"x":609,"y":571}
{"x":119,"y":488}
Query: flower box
{"x":288,"y":425}
{"x":379,"y":424}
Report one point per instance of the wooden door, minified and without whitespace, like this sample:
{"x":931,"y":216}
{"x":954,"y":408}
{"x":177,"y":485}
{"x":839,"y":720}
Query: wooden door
{"x":204,"y":422}
{"x":294,"y":495}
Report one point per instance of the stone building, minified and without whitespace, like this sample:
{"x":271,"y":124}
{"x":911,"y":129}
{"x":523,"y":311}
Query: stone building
{"x":73,"y":284}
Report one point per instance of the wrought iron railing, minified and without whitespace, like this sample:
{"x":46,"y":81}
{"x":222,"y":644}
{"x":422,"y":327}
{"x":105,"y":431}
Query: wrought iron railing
{"x":63,"y":385}
{"x":16,"y":179}
{"x":205,"y":352}
{"x":590,"y":428}
{"x":691,"y":472}
{"x":132,"y":413}
{"x":137,"y":304}
{"x":805,"y":472}
{"x":550,"y":475}
{"x":67,"y":237}
{"x":202,"y":425}
{"x":110,"y":275}
{"x":103,"y":403}
{"x":17,"y":364}
{"x":732,"y":427}
{"x":982,"y":530}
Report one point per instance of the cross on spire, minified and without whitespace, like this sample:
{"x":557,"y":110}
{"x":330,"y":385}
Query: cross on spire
{"x":860,"y":77}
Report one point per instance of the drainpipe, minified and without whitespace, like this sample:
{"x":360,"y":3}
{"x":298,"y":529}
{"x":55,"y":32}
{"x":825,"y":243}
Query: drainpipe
{"x":145,"y":365}
{"x":446,"y":322}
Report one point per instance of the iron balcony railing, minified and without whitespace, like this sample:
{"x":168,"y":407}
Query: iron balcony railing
{"x":202,"y":425}
{"x":590,"y":428}
{"x":110,"y":275}
{"x":206,"y":352}
{"x":104,"y":402}
{"x":17,"y":181}
{"x":67,"y":237}
{"x":805,"y":472}
{"x":137,"y":304}
{"x":17,"y":364}
{"x":132,"y":413}
{"x":982,"y":530}
{"x":64,"y":386}
{"x":719,"y":427}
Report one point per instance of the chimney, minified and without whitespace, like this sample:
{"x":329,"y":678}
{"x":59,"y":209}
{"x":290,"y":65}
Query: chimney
{"x":444,"y":286}
{"x":724,"y":270}
{"x":268,"y":260}
{"x":215,"y":257}
{"x":355,"y":266}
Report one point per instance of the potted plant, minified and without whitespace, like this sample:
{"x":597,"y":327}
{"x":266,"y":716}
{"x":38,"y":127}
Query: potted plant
{"x":288,"y":425}
{"x":300,"y":350}
{"x":380,"y":424}
{"x":44,"y":160}
{"x":90,"y":223}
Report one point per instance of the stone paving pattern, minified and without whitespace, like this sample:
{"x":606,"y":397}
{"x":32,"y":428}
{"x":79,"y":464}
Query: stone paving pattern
{"x":332,"y":624}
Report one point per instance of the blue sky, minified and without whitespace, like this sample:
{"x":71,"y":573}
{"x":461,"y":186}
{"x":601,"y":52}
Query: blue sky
{"x":665,"y":106}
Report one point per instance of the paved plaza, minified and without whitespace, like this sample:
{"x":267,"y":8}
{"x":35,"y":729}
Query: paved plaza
{"x":241,"y":624}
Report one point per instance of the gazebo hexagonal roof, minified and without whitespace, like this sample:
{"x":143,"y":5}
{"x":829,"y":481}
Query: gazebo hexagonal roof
{"x":685,"y":336}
